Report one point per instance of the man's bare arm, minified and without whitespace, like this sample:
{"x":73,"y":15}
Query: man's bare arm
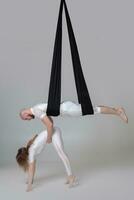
{"x":49,"y":124}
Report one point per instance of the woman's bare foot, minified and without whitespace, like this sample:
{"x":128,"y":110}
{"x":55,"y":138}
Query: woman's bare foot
{"x":29,"y":188}
{"x":71,"y":180}
{"x":122,"y":114}
{"x":67,"y":181}
{"x":27,"y":181}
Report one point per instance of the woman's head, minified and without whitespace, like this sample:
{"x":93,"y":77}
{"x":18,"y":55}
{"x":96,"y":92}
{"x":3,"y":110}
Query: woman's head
{"x":22,"y":158}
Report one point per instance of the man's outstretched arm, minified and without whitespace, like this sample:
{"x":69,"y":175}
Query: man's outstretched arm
{"x":49,"y":125}
{"x":38,"y":111}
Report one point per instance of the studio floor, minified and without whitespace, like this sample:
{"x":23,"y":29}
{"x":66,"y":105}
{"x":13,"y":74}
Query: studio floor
{"x":98,"y":180}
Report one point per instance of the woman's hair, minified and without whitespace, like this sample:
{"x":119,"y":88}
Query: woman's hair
{"x":23,"y":153}
{"x":22,"y":158}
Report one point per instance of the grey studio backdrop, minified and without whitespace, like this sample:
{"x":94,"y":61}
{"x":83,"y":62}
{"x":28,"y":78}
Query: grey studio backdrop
{"x":104,"y":33}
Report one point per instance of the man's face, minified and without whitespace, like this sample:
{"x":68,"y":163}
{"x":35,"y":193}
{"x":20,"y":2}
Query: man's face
{"x":26,"y":115}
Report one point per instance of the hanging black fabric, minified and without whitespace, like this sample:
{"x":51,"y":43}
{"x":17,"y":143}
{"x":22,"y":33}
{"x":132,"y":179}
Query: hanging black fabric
{"x":53,"y":108}
{"x":54,"y":97}
{"x":82,"y":91}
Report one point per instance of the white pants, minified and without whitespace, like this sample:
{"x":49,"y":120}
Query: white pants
{"x":59,"y":147}
{"x":57,"y":141}
{"x":71,"y":108}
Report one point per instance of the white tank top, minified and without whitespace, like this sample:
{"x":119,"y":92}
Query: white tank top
{"x":39,"y":144}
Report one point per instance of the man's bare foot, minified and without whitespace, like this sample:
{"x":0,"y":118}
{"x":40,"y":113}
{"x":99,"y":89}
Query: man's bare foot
{"x":122,"y":114}
{"x":29,"y":188}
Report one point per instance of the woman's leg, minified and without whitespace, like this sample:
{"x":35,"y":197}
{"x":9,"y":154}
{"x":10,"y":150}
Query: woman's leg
{"x":119,"y":111}
{"x":59,"y":146}
{"x":31,"y":173}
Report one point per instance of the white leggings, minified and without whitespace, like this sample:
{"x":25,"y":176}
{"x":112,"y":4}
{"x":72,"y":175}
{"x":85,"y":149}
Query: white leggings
{"x":59,"y":147}
{"x":57,"y":141}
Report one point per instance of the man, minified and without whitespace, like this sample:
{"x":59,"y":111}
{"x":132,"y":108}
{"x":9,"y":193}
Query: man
{"x":38,"y":111}
{"x":68,"y":108}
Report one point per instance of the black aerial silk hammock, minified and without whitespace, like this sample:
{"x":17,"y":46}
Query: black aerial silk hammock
{"x":54,"y":96}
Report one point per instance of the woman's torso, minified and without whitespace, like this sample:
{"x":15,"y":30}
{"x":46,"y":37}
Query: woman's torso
{"x":40,"y":141}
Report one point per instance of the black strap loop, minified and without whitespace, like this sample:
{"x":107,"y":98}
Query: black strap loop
{"x":82,"y":91}
{"x":54,"y":98}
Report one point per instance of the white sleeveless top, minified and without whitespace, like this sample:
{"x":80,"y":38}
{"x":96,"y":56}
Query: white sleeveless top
{"x":39,"y":143}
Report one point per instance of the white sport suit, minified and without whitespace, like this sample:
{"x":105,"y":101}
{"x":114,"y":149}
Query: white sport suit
{"x":67,"y":108}
{"x":40,"y":142}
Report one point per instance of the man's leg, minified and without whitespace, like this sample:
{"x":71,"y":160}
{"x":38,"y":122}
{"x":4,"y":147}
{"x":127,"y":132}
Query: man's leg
{"x":119,"y":111}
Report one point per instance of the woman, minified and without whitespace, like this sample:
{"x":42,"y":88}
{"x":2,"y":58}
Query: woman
{"x":26,"y":156}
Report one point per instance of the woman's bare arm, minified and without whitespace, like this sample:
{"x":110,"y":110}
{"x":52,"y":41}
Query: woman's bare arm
{"x":31,"y":173}
{"x":31,"y":141}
